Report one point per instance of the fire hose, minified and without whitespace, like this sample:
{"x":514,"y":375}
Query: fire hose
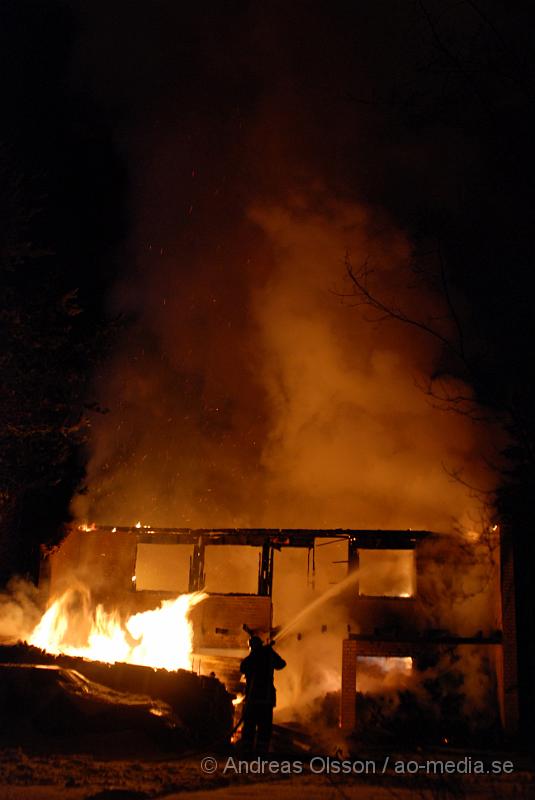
{"x":272,"y":638}
{"x":250,"y":632}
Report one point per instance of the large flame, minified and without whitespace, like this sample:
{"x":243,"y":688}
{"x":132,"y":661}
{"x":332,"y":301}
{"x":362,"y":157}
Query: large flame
{"x":160,"y":638}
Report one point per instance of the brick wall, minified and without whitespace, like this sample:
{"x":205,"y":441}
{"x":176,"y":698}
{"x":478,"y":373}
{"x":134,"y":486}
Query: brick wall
{"x":348,"y":717}
{"x":351,"y":650}
{"x":218,"y":620}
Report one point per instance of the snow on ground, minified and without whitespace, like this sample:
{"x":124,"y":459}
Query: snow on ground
{"x":82,"y":777}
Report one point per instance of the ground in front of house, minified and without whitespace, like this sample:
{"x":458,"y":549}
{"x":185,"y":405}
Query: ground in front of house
{"x":47,"y":776}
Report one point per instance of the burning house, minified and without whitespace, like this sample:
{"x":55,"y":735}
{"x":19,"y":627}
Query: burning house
{"x":264,"y":284}
{"x":357,"y":612}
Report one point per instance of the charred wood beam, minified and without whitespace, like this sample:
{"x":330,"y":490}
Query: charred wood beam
{"x":428,"y":640}
{"x":256,"y":537}
{"x":265,"y":573}
{"x":196,"y":567}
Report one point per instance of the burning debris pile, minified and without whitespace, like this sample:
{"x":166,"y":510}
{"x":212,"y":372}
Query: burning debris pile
{"x":192,"y":710}
{"x":161,"y":637}
{"x":121,"y":670}
{"x":39,"y":701}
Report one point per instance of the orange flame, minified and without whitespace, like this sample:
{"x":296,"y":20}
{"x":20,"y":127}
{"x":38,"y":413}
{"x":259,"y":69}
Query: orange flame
{"x":159,"y":638}
{"x":238,"y":700}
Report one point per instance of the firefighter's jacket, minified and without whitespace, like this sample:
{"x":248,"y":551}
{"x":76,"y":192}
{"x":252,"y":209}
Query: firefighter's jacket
{"x":258,"y":669}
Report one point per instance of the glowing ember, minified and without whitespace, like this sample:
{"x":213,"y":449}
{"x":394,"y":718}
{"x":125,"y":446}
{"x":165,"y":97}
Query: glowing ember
{"x":160,"y":638}
{"x":238,"y":700}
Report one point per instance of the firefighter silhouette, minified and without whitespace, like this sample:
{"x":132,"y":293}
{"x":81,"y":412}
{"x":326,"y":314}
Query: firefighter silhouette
{"x":260,"y":694}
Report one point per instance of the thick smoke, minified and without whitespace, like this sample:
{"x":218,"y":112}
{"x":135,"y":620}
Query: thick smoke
{"x":20,"y":610}
{"x":245,"y":391}
{"x":256,"y":396}
{"x":456,"y":592}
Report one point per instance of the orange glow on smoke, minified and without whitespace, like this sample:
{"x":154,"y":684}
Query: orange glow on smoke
{"x":159,"y":638}
{"x":387,"y":573}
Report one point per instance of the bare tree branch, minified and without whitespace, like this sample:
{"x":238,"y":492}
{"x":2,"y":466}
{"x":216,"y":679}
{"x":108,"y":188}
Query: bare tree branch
{"x":360,"y":281}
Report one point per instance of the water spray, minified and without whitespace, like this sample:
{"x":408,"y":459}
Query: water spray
{"x":282,"y":632}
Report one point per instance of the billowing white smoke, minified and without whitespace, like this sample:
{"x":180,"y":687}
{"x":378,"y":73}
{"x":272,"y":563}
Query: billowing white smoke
{"x":20,"y":610}
{"x":253,"y":395}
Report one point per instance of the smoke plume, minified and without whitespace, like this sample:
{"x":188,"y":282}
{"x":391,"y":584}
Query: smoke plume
{"x":249,"y":393}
